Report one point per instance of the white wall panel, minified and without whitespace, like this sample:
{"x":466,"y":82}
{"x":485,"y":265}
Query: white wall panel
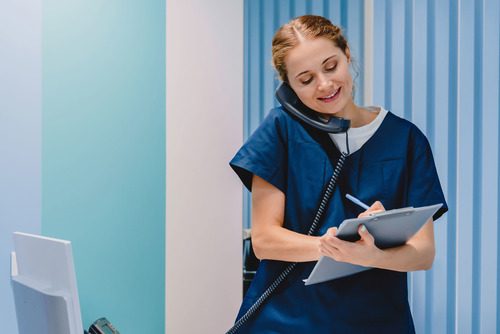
{"x":204,"y":79}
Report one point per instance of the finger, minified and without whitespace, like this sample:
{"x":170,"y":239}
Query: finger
{"x":374,"y":208}
{"x":364,"y":214}
{"x":334,"y":243}
{"x":327,"y":239}
{"x":332,"y":231}
{"x":326,"y":248}
{"x":364,"y":234}
{"x":377,"y":205}
{"x":331,"y":252}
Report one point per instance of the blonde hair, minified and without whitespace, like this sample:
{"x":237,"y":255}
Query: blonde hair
{"x":303,"y":27}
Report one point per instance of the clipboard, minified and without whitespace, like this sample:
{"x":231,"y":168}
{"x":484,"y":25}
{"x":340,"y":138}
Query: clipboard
{"x":389,"y":228}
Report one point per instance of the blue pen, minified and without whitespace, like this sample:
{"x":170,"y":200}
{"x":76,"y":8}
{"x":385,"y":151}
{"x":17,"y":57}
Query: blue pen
{"x":357,"y":201}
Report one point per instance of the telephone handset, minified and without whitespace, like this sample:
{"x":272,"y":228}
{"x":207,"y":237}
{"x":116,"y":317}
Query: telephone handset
{"x":290,"y":101}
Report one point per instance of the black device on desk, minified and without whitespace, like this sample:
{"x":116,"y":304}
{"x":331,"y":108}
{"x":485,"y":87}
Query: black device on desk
{"x":102,"y":326}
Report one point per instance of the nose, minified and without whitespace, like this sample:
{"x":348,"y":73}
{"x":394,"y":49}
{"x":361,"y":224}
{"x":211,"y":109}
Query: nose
{"x":324,"y":82}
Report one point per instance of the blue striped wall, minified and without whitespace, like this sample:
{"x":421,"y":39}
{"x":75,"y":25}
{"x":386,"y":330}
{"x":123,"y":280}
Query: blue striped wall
{"x":437,"y":64}
{"x":445,"y":79}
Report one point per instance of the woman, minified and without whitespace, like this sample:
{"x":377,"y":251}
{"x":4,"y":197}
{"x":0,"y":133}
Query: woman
{"x":286,"y":164}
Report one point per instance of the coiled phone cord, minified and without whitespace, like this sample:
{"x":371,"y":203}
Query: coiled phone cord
{"x":322,"y":208}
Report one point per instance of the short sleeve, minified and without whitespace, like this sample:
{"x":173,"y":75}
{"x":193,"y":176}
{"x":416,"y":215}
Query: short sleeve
{"x":264,"y":153}
{"x":424,"y":187}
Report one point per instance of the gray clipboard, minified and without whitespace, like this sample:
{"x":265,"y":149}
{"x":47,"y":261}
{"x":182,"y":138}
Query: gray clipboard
{"x":389,"y":228}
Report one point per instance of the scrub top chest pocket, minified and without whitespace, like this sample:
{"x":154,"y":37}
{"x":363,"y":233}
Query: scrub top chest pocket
{"x":376,"y":180}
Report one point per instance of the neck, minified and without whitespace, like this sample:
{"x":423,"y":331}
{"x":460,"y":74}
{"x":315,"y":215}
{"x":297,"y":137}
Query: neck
{"x":357,"y":115}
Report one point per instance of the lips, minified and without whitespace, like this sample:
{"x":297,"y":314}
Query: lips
{"x":331,"y":97}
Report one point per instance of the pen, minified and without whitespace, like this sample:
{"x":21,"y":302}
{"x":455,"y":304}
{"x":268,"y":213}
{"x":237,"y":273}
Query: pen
{"x":357,"y":201}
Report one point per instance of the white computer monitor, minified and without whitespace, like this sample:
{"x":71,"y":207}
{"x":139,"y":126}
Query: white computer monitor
{"x":44,"y":285}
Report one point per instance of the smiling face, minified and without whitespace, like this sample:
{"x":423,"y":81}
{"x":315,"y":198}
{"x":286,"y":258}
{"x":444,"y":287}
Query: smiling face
{"x":318,"y":72}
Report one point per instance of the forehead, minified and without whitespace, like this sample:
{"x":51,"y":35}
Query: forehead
{"x":309,"y":54}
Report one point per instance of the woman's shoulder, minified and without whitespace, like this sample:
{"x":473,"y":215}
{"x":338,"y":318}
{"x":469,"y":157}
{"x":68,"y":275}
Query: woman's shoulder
{"x":278,"y":116}
{"x":279,"y":122}
{"x":404,"y":125}
{"x":404,"y":128}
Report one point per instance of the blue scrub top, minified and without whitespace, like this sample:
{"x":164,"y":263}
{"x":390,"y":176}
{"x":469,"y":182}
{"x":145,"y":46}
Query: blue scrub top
{"x":395,"y":166}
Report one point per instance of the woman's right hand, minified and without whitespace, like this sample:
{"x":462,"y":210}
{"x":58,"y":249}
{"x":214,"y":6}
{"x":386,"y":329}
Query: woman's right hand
{"x":375,"y":208}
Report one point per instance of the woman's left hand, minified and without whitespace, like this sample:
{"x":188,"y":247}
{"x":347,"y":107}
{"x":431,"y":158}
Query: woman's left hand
{"x":362,"y":252}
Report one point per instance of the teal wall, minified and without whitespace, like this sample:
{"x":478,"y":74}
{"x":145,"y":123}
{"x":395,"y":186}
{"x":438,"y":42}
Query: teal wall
{"x":103,"y":153}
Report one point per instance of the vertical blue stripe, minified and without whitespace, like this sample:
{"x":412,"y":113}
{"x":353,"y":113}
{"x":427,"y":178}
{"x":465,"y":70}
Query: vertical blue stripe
{"x":247,"y":102}
{"x":269,"y":27}
{"x":379,"y":54}
{"x":326,"y":9}
{"x":430,"y":114}
{"x":292,"y":9}
{"x":498,"y":191}
{"x":262,"y":67}
{"x":317,"y":8}
{"x":441,"y":150}
{"x":408,"y":55}
{"x":397,"y":57}
{"x":431,"y":75}
{"x":308,"y":9}
{"x":247,"y":74}
{"x":335,"y":12}
{"x":498,"y":187}
{"x":465,"y":168}
{"x":343,"y":13}
{"x":355,"y":35}
{"x":362,"y":54}
{"x":300,"y":7}
{"x":276,"y":25}
{"x":452,"y":166}
{"x":477,"y":176}
{"x":388,"y":58}
{"x":254,"y":113}
{"x":489,"y":167}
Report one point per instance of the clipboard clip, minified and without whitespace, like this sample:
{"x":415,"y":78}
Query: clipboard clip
{"x":405,"y":211}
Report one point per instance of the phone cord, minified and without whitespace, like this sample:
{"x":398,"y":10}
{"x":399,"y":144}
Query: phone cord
{"x":322,"y":208}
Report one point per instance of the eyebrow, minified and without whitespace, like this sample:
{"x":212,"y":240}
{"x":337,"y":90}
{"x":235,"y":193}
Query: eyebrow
{"x":324,"y":61}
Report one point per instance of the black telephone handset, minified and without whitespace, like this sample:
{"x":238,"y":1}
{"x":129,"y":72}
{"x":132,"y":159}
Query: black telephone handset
{"x":102,"y":326}
{"x":290,"y":101}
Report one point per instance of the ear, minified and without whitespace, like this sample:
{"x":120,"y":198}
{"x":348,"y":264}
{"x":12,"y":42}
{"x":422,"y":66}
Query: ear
{"x":348,"y":54}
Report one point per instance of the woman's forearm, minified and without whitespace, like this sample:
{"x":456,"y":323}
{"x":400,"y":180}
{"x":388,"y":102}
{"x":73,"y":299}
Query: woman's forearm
{"x":417,"y":254}
{"x":278,"y":243}
{"x":270,"y":240}
{"x":404,"y":258}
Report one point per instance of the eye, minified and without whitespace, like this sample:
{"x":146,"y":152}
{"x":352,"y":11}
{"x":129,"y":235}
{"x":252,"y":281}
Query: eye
{"x":330,"y":67}
{"x":306,"y":81}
